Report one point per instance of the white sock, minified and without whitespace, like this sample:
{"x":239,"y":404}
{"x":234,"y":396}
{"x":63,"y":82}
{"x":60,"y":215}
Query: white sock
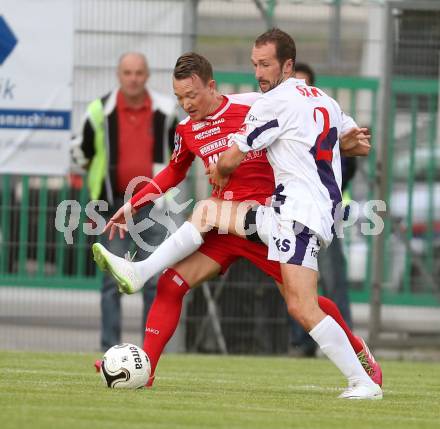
{"x":335,"y":345}
{"x":185,"y":241}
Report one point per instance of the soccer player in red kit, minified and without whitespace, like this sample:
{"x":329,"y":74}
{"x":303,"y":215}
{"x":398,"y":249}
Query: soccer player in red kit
{"x":204,"y":133}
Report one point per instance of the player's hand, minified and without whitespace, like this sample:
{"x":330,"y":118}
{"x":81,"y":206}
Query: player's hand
{"x":355,"y":142}
{"x":118,"y":223}
{"x":217,"y":181}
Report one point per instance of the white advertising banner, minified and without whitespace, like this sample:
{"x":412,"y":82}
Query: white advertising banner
{"x":36,"y":63}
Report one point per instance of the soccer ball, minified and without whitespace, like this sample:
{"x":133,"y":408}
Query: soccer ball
{"x":125,"y":366}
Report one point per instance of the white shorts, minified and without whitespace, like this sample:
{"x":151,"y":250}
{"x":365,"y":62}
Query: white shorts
{"x":288,"y":242}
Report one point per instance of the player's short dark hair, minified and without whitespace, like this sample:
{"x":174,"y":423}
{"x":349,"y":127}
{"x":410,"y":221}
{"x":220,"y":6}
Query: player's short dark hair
{"x":190,"y":64}
{"x":307,"y":70}
{"x":284,"y":45}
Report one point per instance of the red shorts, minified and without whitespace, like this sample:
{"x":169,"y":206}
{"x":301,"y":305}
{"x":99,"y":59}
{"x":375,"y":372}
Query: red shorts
{"x":225,"y":249}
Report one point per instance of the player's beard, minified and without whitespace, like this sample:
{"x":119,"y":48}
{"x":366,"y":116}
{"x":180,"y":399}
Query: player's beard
{"x":275,"y":83}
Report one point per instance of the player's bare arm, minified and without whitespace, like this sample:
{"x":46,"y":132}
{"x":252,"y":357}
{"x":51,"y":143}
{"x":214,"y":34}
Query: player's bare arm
{"x":230,"y":160}
{"x":355,"y":142}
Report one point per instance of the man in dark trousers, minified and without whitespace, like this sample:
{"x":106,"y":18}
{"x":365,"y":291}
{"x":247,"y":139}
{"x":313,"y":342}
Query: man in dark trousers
{"x":124,"y":134}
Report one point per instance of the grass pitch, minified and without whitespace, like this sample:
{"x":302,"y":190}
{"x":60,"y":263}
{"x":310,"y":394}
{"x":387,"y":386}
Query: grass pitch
{"x":48,"y":390}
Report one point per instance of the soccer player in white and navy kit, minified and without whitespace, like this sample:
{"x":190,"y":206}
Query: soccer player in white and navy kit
{"x":300,"y":127}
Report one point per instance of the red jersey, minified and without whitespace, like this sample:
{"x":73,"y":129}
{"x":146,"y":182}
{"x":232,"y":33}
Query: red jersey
{"x":135,"y":129}
{"x":252,"y":180}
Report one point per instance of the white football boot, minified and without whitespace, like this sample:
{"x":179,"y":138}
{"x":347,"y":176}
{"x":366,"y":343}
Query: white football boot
{"x":123,"y":270}
{"x":362,"y":390}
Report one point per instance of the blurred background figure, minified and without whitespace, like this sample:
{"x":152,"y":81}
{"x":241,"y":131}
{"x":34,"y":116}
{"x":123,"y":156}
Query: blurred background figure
{"x":332,"y":265}
{"x":124,"y":134}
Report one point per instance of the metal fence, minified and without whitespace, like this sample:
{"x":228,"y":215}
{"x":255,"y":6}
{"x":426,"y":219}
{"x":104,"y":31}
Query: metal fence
{"x":33,"y":252}
{"x":408,"y":159}
{"x":330,"y":34}
{"x":105,"y":29}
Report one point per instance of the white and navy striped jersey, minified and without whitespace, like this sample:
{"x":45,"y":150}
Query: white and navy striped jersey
{"x":300,"y":127}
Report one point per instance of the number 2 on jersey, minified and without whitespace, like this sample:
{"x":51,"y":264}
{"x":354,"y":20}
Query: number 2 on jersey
{"x":323,"y":154}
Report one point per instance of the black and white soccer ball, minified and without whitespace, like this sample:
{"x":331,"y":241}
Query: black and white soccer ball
{"x":125,"y":366}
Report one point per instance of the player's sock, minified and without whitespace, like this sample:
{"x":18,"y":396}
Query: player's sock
{"x":164,"y":314}
{"x":330,"y":308}
{"x":186,"y":240}
{"x":335,"y":345}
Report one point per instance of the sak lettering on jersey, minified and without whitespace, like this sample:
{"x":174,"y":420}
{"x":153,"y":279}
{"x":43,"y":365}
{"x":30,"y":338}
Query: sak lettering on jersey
{"x":309,"y":91}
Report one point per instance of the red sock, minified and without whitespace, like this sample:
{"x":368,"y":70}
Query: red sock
{"x":164,"y":314}
{"x":330,"y":308}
